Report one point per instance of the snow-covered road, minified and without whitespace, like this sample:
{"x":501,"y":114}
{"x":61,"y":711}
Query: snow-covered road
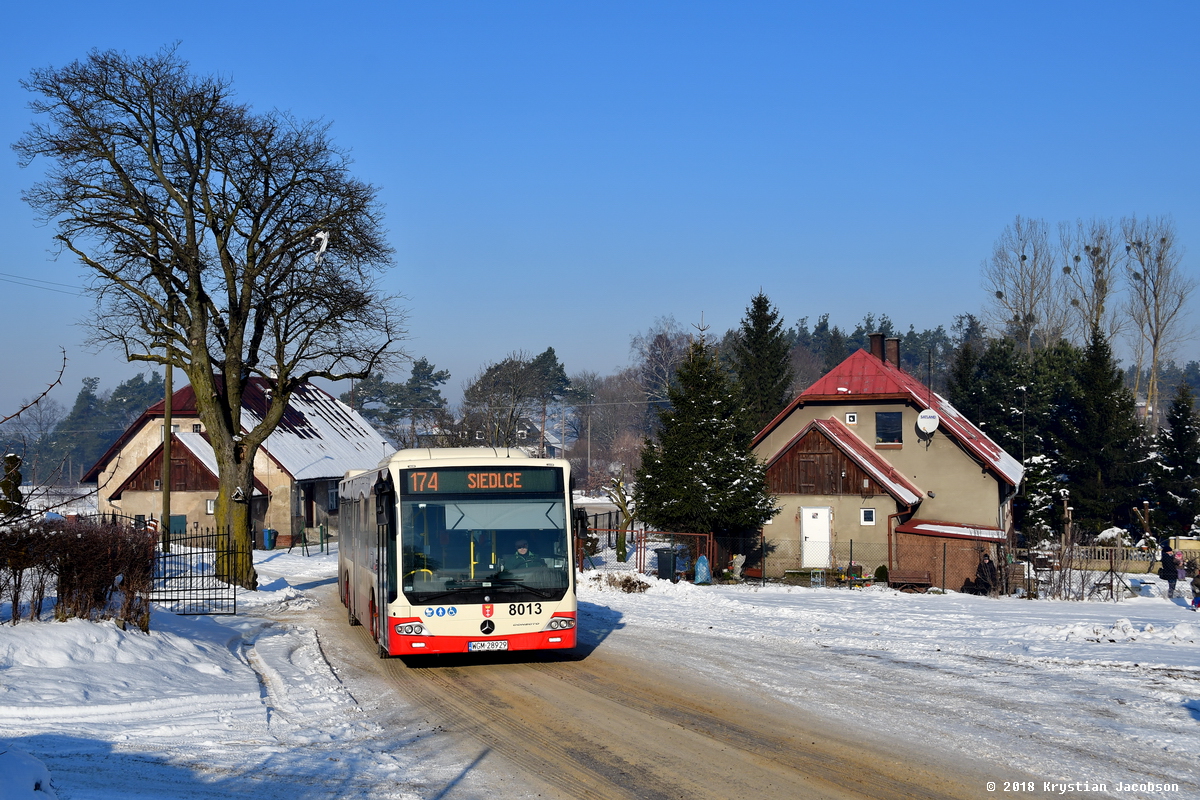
{"x":249,"y":706}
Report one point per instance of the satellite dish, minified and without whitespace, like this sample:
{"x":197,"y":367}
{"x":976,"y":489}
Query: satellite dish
{"x":928,"y":421}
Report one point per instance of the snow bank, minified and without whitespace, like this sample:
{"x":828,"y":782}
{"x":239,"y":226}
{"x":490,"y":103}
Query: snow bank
{"x":24,"y":777}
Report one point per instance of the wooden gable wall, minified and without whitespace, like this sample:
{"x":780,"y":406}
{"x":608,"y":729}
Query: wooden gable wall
{"x":187,"y":474}
{"x":814,"y":466}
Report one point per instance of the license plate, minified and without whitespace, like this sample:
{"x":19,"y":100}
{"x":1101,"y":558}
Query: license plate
{"x":497,"y":644}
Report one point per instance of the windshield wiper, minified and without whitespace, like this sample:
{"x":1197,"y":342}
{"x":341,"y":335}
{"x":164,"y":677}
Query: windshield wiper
{"x":506,"y":583}
{"x":429,"y":598}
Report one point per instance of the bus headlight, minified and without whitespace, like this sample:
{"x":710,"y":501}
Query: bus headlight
{"x":411,"y":629}
{"x":560,"y":623}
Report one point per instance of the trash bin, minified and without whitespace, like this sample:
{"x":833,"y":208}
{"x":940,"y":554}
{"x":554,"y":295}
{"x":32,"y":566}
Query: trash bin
{"x":269,"y":535}
{"x":666,"y":562}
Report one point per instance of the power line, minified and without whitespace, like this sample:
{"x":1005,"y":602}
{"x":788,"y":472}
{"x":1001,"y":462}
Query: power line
{"x":32,"y":283}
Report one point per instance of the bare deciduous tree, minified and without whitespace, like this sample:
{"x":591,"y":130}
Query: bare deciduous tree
{"x":609,"y":415}
{"x":657,"y":354}
{"x":1092,"y":255}
{"x":227,"y":243}
{"x":1022,"y":280}
{"x":1158,"y":295}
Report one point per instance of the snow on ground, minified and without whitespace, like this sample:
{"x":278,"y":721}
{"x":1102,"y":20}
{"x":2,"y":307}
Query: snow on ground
{"x":1105,"y":692}
{"x":244,"y":706}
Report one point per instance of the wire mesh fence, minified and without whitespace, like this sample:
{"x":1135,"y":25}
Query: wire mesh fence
{"x":668,"y":555}
{"x":908,"y":562}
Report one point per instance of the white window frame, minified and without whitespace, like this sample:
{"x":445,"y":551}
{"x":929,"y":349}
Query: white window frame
{"x":851,"y":417}
{"x":210,"y":506}
{"x":866,"y":516}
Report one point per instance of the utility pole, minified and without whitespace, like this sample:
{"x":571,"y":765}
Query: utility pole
{"x":166,"y":451}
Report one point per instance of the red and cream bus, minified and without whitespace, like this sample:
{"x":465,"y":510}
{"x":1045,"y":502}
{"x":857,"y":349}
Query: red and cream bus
{"x":458,"y":551}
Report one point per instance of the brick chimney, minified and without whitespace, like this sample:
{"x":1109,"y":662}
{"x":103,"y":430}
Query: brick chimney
{"x":876,"y":340}
{"x":891,"y":349}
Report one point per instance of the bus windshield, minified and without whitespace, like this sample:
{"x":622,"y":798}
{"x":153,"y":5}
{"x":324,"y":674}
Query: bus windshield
{"x":483,"y":547}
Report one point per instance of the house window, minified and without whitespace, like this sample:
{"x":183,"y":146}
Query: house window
{"x":210,"y":507}
{"x":851,"y":417}
{"x":331,"y":499}
{"x":866,"y":516}
{"x":888,"y":426}
{"x":157,"y":484}
{"x":161,"y":428}
{"x":196,"y":427}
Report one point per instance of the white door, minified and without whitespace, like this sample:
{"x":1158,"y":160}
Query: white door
{"x":815,"y":525}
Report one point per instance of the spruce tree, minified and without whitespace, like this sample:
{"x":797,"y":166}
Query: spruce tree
{"x":761,"y":363}
{"x":1178,"y":465}
{"x":700,"y":476}
{"x":1101,"y":442}
{"x":837,"y":352}
{"x":962,"y":389}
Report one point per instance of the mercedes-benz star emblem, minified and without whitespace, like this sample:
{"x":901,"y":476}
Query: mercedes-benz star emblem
{"x":487,"y":627}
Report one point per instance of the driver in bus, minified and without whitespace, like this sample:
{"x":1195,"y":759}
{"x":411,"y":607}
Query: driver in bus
{"x":523,"y":558}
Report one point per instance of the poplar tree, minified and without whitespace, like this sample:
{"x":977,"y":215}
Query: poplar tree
{"x":699,"y":476}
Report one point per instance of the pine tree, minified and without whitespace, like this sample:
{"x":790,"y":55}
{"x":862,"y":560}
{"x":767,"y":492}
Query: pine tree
{"x":761,"y":363}
{"x":1178,"y":465}
{"x":80,"y":439}
{"x":129,"y":400}
{"x":699,"y":476}
{"x":426,"y":407}
{"x":400,"y":411}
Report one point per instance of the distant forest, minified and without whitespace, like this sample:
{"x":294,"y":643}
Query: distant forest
{"x":58,"y":444}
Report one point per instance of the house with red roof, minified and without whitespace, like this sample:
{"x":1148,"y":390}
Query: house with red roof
{"x":296,"y":471}
{"x":870,"y":458}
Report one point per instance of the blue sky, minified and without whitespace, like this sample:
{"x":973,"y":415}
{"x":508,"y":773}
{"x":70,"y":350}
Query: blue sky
{"x":562,"y":173}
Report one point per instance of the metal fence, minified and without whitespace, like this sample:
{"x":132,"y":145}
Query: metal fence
{"x":646,"y":552}
{"x":910,"y":562}
{"x":187,"y":577}
{"x":919,"y":563}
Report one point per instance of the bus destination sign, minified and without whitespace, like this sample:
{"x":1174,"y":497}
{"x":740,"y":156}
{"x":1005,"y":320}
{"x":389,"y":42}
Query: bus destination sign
{"x":469,"y":480}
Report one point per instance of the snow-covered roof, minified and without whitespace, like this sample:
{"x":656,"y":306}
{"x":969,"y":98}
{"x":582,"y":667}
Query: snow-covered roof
{"x":870,"y":377}
{"x":199,"y":447}
{"x":956,"y":530}
{"x":319,"y":435}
